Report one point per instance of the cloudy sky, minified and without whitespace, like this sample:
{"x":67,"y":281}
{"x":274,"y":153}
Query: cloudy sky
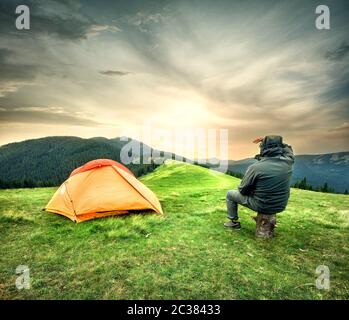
{"x":102,"y":68}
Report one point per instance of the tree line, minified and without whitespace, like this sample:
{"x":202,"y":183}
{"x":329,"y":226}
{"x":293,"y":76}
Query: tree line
{"x":137,"y":169}
{"x":304,"y":185}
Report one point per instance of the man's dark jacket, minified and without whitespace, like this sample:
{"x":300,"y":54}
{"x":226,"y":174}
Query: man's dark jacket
{"x":267,"y":182}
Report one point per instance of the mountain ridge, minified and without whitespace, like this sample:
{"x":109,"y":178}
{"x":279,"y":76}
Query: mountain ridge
{"x":48,"y":161}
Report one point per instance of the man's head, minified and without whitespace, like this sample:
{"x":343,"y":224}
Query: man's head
{"x":271,"y":142}
{"x":269,"y":145}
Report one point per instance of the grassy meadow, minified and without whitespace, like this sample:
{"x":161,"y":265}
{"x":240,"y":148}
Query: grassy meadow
{"x":185,"y":254}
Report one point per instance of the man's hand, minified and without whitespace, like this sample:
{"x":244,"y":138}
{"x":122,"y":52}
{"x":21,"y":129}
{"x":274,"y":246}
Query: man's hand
{"x":258,"y":140}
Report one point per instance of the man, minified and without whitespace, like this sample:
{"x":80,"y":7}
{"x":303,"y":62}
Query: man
{"x":265,"y":187}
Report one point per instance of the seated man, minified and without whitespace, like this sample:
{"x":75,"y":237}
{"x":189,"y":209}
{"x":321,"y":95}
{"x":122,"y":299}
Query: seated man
{"x":265,"y":187}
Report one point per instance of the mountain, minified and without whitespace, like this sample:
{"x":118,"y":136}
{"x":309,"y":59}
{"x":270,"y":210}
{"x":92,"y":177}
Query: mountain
{"x":49,"y":161}
{"x":332,"y":168}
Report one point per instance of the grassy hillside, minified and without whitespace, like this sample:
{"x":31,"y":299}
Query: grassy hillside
{"x":187,"y":254}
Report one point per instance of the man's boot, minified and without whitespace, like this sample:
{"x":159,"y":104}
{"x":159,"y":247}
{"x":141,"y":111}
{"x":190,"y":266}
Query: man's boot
{"x":233,"y":224}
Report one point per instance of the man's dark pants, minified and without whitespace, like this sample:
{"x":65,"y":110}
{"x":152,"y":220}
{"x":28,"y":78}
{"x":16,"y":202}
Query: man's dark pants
{"x":234,"y":197}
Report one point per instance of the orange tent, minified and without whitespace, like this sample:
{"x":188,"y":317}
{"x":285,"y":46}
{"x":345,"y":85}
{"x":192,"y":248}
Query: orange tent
{"x":101,"y":188}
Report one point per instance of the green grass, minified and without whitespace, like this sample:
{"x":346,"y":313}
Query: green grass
{"x":187,"y":254}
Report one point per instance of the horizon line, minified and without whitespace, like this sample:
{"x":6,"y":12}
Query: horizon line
{"x":304,"y":154}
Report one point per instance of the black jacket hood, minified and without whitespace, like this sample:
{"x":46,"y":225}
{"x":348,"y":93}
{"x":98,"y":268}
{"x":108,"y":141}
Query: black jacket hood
{"x":271,"y":146}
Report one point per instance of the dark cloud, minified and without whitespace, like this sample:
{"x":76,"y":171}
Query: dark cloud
{"x":114,"y":73}
{"x":63,"y":20}
{"x":4,"y":54}
{"x":13,"y":74}
{"x":338,"y":90}
{"x":338,"y":54}
{"x":44,"y":116}
{"x":13,"y":71}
